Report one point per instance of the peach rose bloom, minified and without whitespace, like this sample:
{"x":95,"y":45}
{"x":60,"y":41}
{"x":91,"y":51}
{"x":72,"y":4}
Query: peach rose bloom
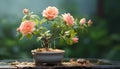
{"x":26,"y":27}
{"x":50,"y":13}
{"x":75,"y":40}
{"x":82,"y":21}
{"x":68,"y":19}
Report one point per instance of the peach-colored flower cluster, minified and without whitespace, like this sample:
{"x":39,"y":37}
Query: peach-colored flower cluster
{"x":50,"y":13}
{"x":83,"y":21}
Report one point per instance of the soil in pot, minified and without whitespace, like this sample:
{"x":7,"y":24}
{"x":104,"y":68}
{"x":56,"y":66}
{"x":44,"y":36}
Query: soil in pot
{"x":49,"y":50}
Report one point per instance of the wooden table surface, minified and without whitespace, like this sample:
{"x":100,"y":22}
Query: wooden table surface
{"x":5,"y":64}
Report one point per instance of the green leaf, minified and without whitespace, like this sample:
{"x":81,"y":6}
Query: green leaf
{"x":85,"y":25}
{"x":62,"y":32}
{"x":54,"y":26}
{"x":67,"y":33}
{"x":29,"y":36}
{"x":20,"y":36}
{"x":72,"y":33}
{"x":35,"y":18}
{"x":61,"y":41}
{"x":42,"y":21}
{"x":36,"y":21}
{"x":24,"y":18}
{"x":68,"y":41}
{"x":36,"y":32}
{"x":39,"y":38}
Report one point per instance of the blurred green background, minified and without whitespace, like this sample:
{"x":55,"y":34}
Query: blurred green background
{"x":102,"y":40}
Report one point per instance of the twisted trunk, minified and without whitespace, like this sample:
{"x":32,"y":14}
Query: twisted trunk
{"x":46,"y":41}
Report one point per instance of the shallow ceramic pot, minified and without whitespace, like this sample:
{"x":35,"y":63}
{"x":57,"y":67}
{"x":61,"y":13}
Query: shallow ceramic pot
{"x":47,"y":57}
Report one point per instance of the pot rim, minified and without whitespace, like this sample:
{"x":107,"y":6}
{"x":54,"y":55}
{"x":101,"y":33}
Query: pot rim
{"x":49,"y":52}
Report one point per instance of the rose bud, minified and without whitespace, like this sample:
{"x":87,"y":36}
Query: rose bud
{"x":82,"y":21}
{"x":26,"y":11}
{"x":75,"y":40}
{"x":90,"y":22}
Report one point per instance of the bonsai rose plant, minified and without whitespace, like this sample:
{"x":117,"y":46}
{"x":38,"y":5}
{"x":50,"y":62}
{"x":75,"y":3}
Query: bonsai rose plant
{"x":51,"y":26}
{"x":48,"y":28}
